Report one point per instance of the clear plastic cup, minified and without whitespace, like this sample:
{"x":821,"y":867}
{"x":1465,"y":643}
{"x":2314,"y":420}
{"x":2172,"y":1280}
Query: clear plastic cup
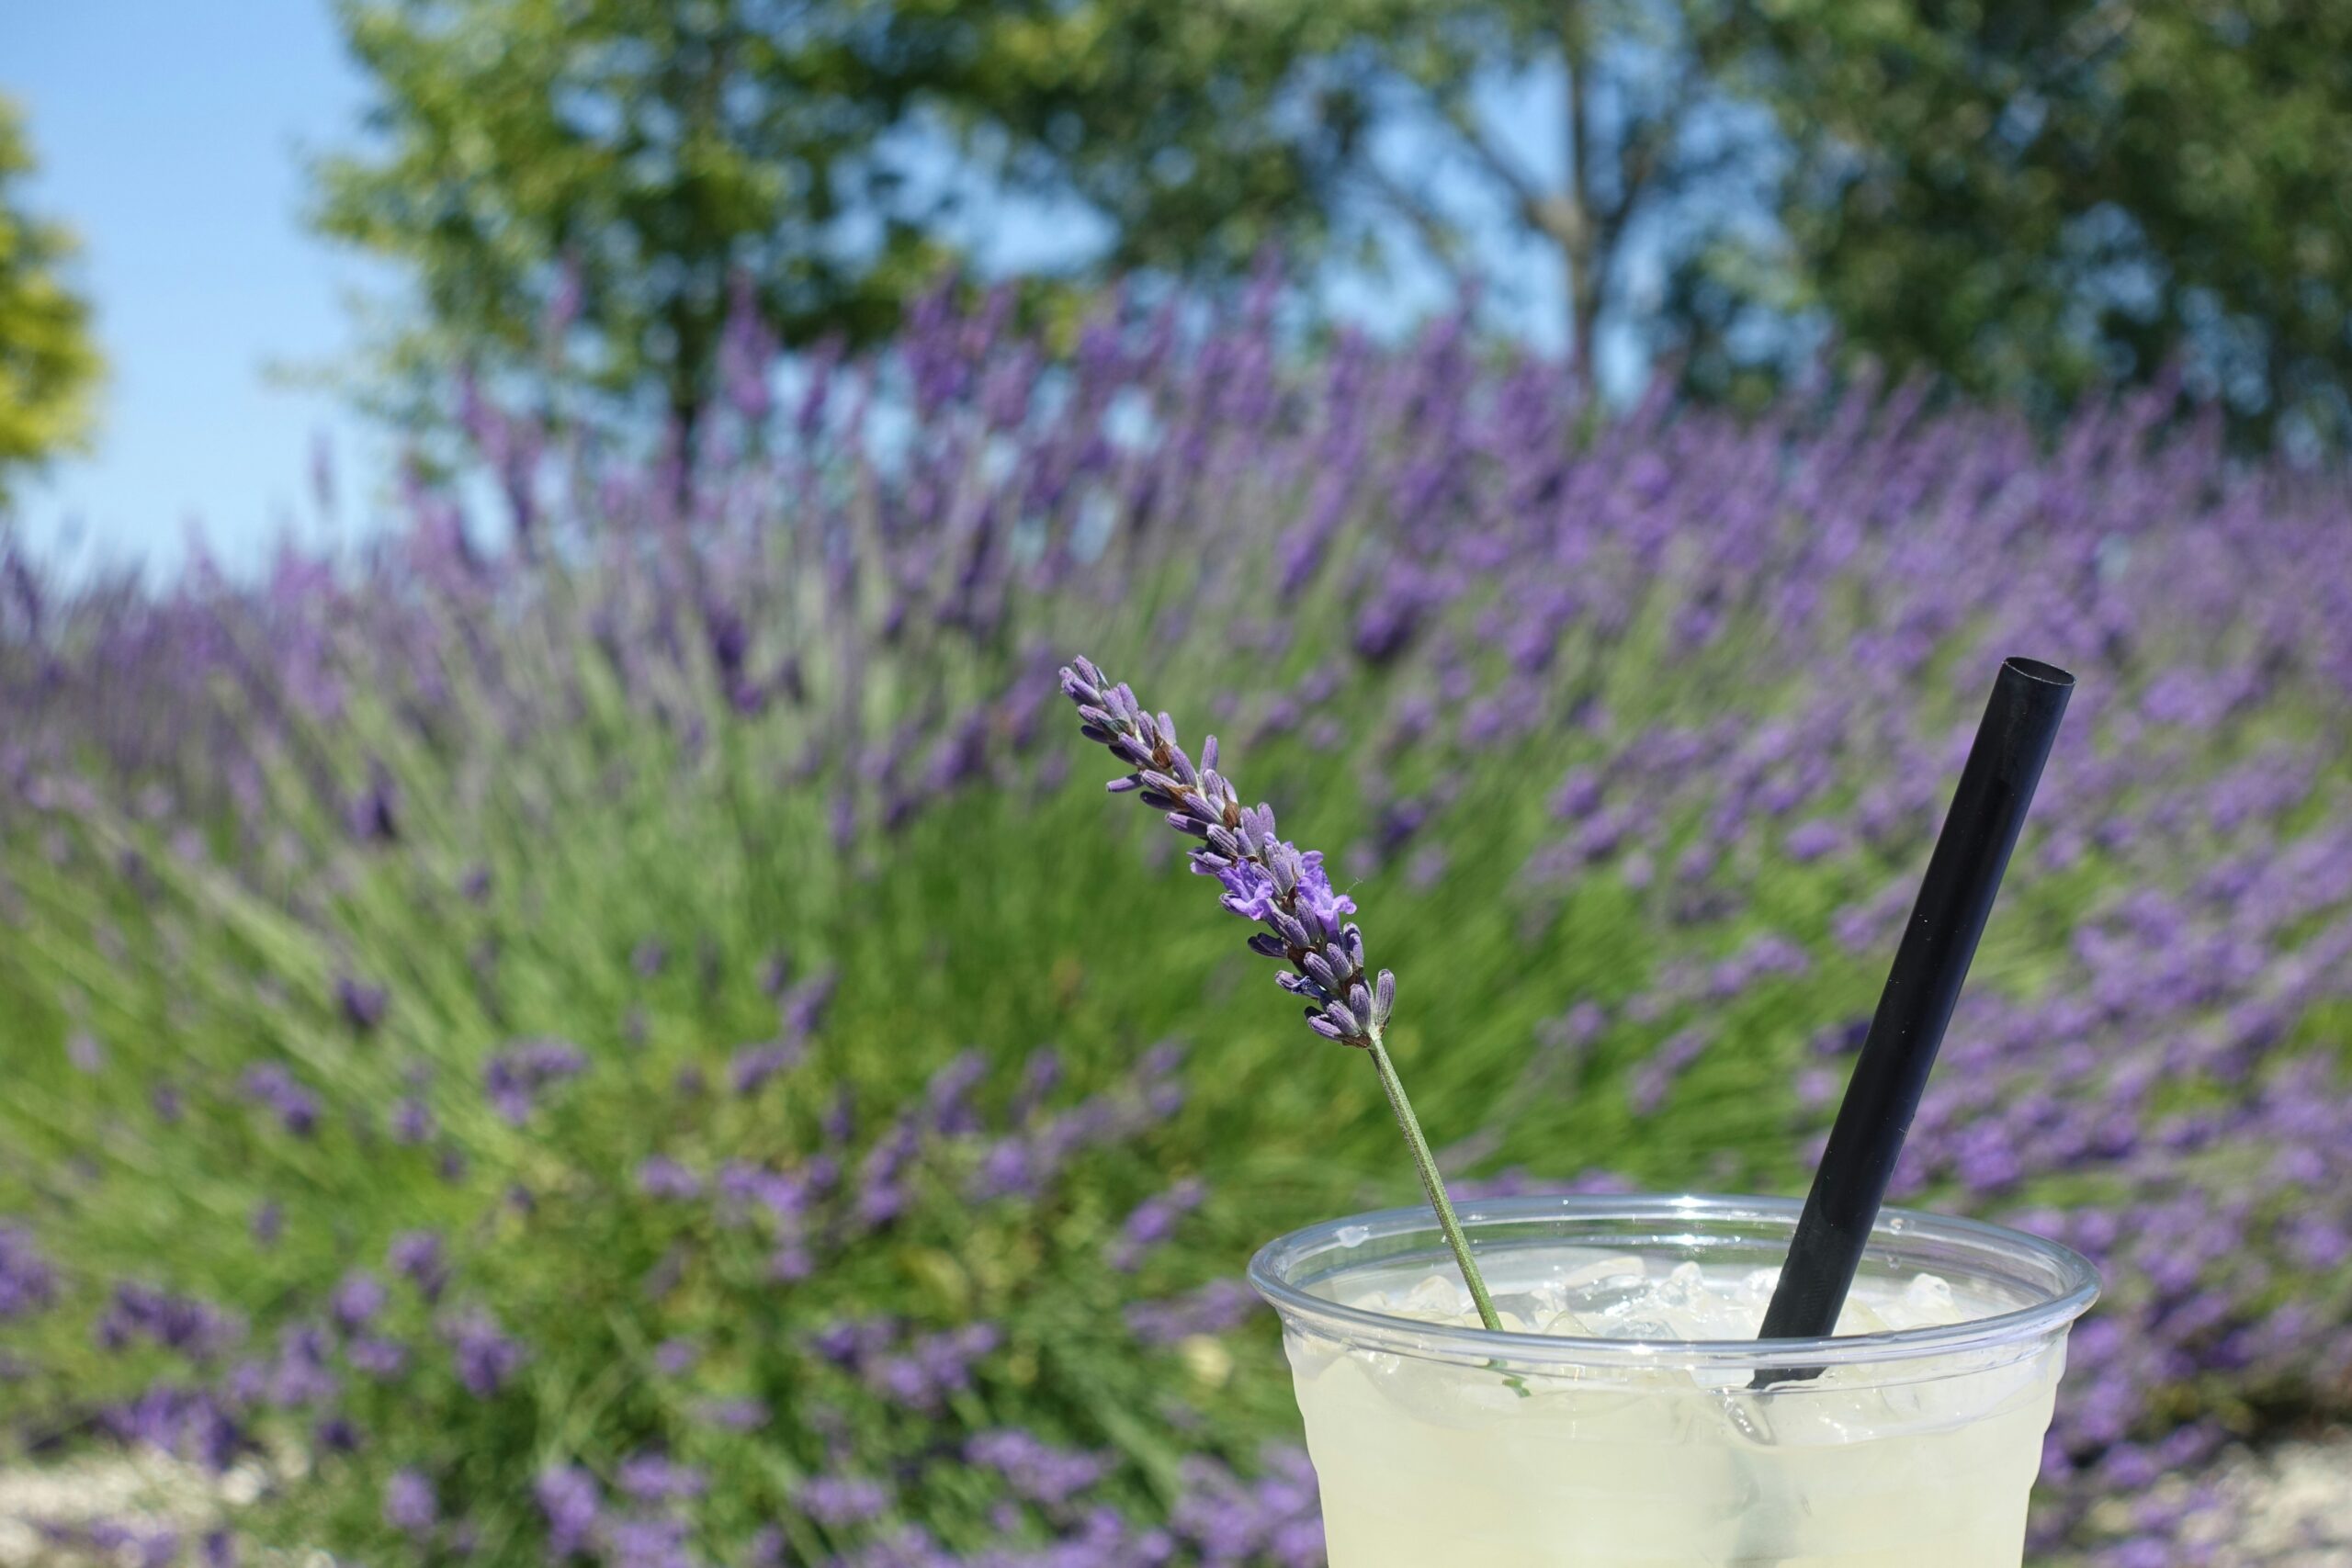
{"x":1441,"y":1447}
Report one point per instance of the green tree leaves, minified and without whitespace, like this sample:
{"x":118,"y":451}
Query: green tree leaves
{"x":48,"y":367}
{"x":2031,"y":198}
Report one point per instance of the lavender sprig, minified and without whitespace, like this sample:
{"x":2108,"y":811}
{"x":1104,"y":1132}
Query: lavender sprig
{"x":1271,"y":881}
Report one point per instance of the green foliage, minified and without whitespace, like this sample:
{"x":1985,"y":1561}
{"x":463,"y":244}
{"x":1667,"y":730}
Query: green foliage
{"x":619,"y":167}
{"x":48,"y":367}
{"x":2030,"y":199}
{"x":2033,"y":197}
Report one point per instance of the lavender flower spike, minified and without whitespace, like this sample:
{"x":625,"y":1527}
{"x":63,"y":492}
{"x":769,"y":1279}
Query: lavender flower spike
{"x":1271,"y":882}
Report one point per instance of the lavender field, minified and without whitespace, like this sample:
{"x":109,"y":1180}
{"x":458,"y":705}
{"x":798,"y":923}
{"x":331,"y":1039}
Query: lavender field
{"x":625,"y":1031}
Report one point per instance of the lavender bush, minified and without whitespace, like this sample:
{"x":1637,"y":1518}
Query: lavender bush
{"x":603,"y":1034}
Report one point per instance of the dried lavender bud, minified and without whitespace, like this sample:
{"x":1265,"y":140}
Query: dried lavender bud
{"x":1265,"y":879}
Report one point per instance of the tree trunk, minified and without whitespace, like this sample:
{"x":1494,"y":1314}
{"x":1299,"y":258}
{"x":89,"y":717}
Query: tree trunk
{"x":1579,"y":251}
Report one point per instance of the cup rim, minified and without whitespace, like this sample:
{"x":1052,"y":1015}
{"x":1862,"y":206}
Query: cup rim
{"x":2074,"y":1286}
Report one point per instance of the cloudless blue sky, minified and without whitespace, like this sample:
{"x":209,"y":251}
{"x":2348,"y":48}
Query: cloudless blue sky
{"x":170,"y":136}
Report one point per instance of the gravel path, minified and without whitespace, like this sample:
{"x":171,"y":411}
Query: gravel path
{"x":145,"y":1489}
{"x":2290,"y":1508}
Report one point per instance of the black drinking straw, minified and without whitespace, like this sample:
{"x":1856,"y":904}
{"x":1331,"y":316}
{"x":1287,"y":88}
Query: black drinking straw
{"x":1964,"y":872}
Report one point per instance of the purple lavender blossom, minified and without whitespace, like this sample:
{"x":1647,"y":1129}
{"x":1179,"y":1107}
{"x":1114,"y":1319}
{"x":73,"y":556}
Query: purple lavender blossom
{"x":637,"y":1542}
{"x":1216,"y":1308}
{"x":742,"y":1414}
{"x":835,"y":1501}
{"x":664,"y":1177}
{"x":413,"y":1121}
{"x":1035,"y":1469}
{"x":416,"y":1257}
{"x":300,"y":1376}
{"x":272,"y":1085}
{"x":182,"y":1324}
{"x":514,"y":1077}
{"x":385,"y":1360}
{"x":1265,"y":878}
{"x":1153,"y":1222}
{"x":364,"y":1004}
{"x":408,"y":1504}
{"x":572,"y":1504}
{"x":655,"y":1478}
{"x":28,"y":1284}
{"x":357,"y":1298}
{"x":752,"y":1067}
{"x":483,"y":1356}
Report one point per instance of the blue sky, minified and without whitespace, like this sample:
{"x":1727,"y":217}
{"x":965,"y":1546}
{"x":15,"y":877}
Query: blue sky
{"x":171,"y":137}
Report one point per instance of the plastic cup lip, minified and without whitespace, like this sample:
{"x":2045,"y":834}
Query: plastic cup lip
{"x":2073,"y":1285}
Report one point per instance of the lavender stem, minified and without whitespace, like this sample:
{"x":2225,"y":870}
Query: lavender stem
{"x":1433,"y":1184}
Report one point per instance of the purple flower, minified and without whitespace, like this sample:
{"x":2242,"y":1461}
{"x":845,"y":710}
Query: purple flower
{"x":513,"y":1077}
{"x":408,"y":1504}
{"x":1036,"y":1471}
{"x":572,"y":1504}
{"x":182,"y":1324}
{"x":1153,"y":1222}
{"x":299,"y":1375}
{"x":664,"y":1177}
{"x":1265,"y":878}
{"x":385,"y":1360}
{"x":28,"y":1284}
{"x":754,"y":1065}
{"x":1656,"y":1077}
{"x":357,"y":1300}
{"x":363,"y":1004}
{"x":412,"y":1122}
{"x":196,"y":1424}
{"x":415,"y":1255}
{"x":483,"y":1357}
{"x":1216,"y":1308}
{"x":949,"y":1093}
{"x":653,"y":1478}
{"x":375,"y":813}
{"x":1811,"y":841}
{"x":834,"y":1501}
{"x":732,"y":1415}
{"x":272,"y":1085}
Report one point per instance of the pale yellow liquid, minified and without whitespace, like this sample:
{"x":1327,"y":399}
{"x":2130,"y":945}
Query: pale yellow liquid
{"x":1427,"y":1464}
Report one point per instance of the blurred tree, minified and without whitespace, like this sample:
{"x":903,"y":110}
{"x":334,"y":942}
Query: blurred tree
{"x":619,"y":167}
{"x":2033,"y":195}
{"x":1615,"y":136}
{"x":2029,"y":194}
{"x":49,"y":367}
